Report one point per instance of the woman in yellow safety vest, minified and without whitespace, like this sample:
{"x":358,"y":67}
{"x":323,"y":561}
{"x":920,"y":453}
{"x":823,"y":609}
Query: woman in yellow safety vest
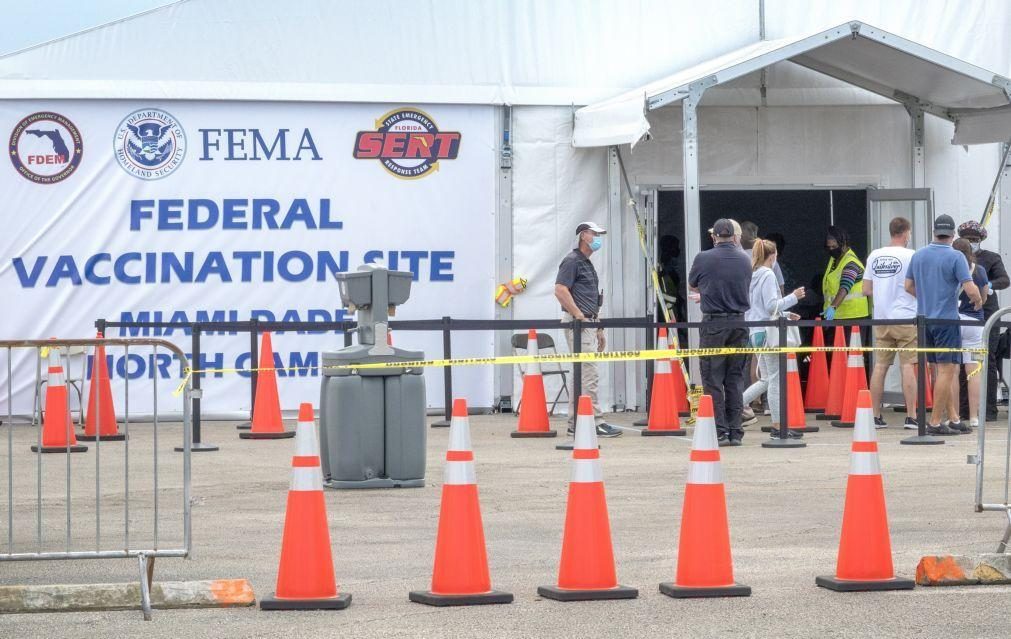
{"x":842,"y":286}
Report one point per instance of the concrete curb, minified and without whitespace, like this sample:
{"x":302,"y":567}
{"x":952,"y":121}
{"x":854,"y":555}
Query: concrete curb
{"x":216,"y":593}
{"x":964,"y":570}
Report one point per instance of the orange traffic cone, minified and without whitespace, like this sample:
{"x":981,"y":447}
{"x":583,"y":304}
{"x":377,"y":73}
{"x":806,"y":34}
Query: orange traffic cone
{"x":816,"y":393}
{"x":684,"y":407}
{"x":865,"y":547}
{"x":101,"y":419}
{"x":586,"y":570}
{"x":57,"y":434}
{"x":796,"y":419}
{"x":663,"y":408}
{"x":836,"y":379}
{"x":856,"y":381}
{"x":705,"y":567}
{"x":267,"y":422}
{"x":460,"y":576}
{"x":305,"y":577}
{"x":533,"y":404}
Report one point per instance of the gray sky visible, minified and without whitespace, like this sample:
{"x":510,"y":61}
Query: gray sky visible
{"x":29,"y":22}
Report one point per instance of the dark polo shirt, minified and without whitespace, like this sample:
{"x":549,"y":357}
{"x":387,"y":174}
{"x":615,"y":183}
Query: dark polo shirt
{"x":723,"y":275}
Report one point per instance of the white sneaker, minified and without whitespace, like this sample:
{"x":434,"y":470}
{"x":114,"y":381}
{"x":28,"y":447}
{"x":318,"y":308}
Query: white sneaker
{"x":974,"y":422}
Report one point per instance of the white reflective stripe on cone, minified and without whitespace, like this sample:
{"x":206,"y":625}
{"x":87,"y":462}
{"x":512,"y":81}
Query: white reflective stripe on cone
{"x":305,"y":440}
{"x":586,"y":471}
{"x":459,"y":433}
{"x":855,"y":340}
{"x":306,"y":478}
{"x":586,"y":433}
{"x":459,"y":473}
{"x":864,"y":464}
{"x":791,"y":365}
{"x":533,"y":368}
{"x":863,"y":429}
{"x":57,"y":379}
{"x":662,"y":344}
{"x":700,"y":472}
{"x":705,"y":434}
{"x":855,"y":361}
{"x":663,"y":367}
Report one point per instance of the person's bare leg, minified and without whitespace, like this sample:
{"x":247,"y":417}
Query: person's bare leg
{"x":953,"y":399}
{"x":909,"y":387}
{"x":942,"y":392}
{"x":972,"y":387}
{"x":878,"y":386}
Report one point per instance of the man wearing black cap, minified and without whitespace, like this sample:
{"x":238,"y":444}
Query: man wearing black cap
{"x":722,"y":276}
{"x":934,"y":275}
{"x":578,"y":291}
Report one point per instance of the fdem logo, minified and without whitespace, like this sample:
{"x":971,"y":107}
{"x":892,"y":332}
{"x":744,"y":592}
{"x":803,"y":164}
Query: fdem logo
{"x":45,"y":148}
{"x":408,"y":143}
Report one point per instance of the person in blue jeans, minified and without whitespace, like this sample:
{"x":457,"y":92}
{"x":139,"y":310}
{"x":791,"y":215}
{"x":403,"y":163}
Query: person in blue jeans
{"x":935,"y":273}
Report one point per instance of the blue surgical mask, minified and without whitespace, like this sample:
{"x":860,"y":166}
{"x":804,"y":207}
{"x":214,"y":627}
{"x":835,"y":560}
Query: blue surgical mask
{"x":596,"y":243}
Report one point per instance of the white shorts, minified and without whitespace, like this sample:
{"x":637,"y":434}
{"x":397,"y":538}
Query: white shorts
{"x":972,"y":337}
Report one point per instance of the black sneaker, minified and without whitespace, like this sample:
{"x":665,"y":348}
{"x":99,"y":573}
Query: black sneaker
{"x":723,"y":440}
{"x":726,"y":441}
{"x":606,"y":430}
{"x":571,"y":429}
{"x":942,"y":429}
{"x":959,"y":427}
{"x":910,"y":424}
{"x":879,"y":422}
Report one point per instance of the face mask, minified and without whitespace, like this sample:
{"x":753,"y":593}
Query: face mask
{"x":596,"y":243}
{"x":835,"y":252}
{"x":974,"y":246}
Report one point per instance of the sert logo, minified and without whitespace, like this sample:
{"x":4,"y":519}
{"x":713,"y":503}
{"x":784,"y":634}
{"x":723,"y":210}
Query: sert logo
{"x":45,"y":148}
{"x":408,"y":143}
{"x":149,"y":144}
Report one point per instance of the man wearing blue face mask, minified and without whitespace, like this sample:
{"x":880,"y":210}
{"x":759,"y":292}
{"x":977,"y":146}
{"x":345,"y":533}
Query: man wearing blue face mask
{"x":577,"y":289}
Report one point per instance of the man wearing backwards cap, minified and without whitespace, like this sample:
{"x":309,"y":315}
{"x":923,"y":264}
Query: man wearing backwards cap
{"x":578,"y":291}
{"x":722,"y":277}
{"x":934,"y":275}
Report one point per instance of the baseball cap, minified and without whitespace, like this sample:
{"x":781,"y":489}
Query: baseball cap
{"x":722,"y":228}
{"x":590,"y":226}
{"x":944,"y":226}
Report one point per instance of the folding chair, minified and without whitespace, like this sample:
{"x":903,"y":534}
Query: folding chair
{"x":545,"y":346}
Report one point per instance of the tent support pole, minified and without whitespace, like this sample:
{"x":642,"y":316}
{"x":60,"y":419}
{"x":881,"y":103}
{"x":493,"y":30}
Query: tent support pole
{"x":692,"y":205}
{"x":615,"y":295}
{"x":919,"y":172}
{"x":504,"y":255}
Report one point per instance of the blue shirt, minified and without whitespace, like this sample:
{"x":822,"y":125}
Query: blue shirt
{"x":937,"y":270}
{"x":964,"y":305}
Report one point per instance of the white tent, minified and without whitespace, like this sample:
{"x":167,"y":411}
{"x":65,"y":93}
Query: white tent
{"x":535,"y":63}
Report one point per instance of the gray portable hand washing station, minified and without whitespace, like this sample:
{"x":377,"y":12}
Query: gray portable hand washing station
{"x":372,"y":421}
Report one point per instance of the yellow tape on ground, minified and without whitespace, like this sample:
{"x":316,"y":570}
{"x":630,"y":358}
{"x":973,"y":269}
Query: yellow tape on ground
{"x":565,"y":358}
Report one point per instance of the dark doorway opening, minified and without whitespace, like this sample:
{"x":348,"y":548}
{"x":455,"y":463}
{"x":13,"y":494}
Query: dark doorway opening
{"x":801,"y":216}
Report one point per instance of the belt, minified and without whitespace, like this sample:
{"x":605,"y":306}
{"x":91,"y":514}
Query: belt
{"x":713,"y":315}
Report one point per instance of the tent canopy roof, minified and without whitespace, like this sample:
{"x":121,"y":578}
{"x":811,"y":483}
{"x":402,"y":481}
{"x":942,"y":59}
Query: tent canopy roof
{"x":856,"y":53}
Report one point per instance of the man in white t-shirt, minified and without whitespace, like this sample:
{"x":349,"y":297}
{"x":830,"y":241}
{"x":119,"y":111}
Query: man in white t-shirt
{"x":884,"y":282}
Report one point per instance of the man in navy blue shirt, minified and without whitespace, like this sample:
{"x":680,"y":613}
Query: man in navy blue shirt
{"x":935,"y":273}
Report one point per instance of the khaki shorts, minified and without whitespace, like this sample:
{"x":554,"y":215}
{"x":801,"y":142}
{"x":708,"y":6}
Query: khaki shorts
{"x":894,"y":337}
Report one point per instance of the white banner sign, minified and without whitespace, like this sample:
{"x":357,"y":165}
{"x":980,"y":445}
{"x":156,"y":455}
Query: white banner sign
{"x":196,"y":211}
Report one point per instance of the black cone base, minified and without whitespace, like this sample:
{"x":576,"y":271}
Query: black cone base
{"x":442,"y":423}
{"x":533,"y":433}
{"x":827,"y":418}
{"x":564,"y":594}
{"x":282,"y":435}
{"x":850,"y":585}
{"x":431,"y":599}
{"x":803,"y":429}
{"x":926,"y":440}
{"x":814,"y":411}
{"x":686,"y":592}
{"x":118,"y":437}
{"x":842,"y":424}
{"x":60,"y":449}
{"x":674,"y":432}
{"x":340,"y":602}
{"x":684,"y":413}
{"x":244,"y":426}
{"x":783,"y":443}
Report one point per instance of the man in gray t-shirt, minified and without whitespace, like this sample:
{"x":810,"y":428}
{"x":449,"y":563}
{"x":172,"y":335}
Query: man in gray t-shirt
{"x":577,"y":289}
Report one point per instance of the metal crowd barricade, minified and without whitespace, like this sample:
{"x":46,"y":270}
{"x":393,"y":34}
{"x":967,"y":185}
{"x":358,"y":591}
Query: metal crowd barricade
{"x":107,"y":544}
{"x":980,"y":456}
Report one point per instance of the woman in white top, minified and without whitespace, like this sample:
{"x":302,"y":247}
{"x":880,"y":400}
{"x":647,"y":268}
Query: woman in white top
{"x":767,"y":303}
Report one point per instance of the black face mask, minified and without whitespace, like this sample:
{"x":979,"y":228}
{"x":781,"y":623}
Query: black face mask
{"x":836,"y":252}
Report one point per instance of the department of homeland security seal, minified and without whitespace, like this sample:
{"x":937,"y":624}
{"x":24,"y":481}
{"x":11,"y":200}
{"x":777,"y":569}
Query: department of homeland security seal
{"x":408,"y":143}
{"x":45,"y":147}
{"x":149,"y":144}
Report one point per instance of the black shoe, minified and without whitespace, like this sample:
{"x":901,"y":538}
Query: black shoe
{"x":726,"y":441}
{"x":959,"y":426}
{"x":606,"y":430}
{"x":910,"y":424}
{"x":723,"y":440}
{"x":940,"y":430}
{"x":571,"y":429}
{"x":992,"y":417}
{"x":879,"y":422}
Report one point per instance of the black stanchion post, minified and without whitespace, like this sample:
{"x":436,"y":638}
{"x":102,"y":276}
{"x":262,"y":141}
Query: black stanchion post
{"x":650,"y":333}
{"x":783,"y":440}
{"x":197,"y":446}
{"x":921,"y":438}
{"x":577,"y":380}
{"x":447,"y":374}
{"x":254,"y":363}
{"x":100,"y":326}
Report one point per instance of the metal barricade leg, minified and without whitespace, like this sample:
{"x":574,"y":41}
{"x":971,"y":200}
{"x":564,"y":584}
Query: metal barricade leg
{"x":146,"y":575}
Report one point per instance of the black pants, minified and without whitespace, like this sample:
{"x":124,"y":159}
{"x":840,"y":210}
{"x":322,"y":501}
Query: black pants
{"x":723,"y":377}
{"x":991,"y":380}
